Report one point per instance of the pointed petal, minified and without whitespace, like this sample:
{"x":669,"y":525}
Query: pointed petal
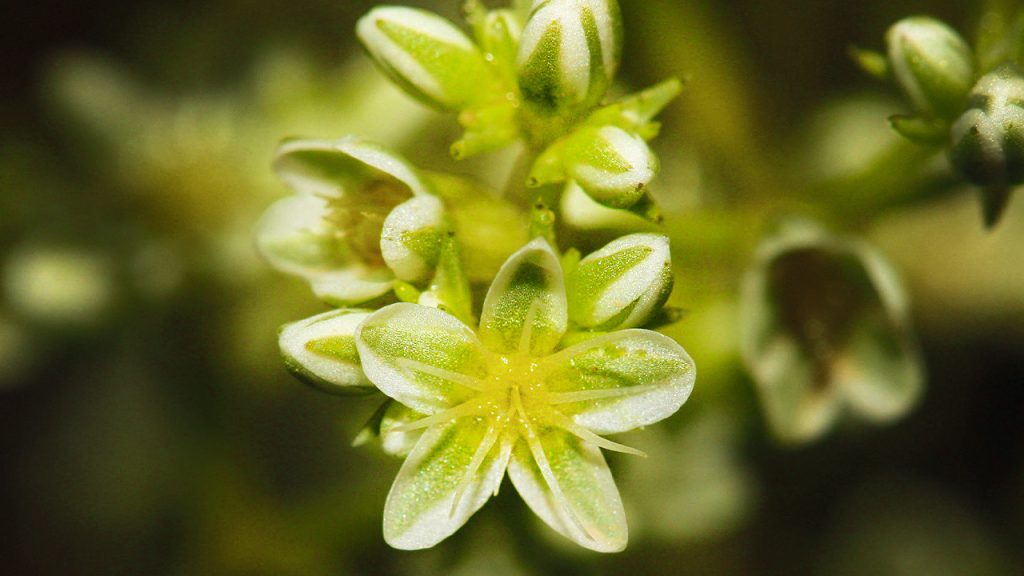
{"x":322,"y":351}
{"x":450,"y":474}
{"x":566,"y":482}
{"x":393,"y":439}
{"x":420,"y":356}
{"x":620,"y":381}
{"x":332,"y":167}
{"x":525,"y":310}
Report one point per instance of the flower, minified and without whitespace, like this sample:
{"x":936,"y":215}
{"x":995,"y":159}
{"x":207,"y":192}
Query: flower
{"x":361,"y":217}
{"x":509,"y":397}
{"x":932,"y":64}
{"x":826,"y":328}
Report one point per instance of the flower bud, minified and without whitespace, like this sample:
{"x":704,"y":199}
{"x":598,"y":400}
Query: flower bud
{"x":611,"y":165}
{"x":932,"y":64}
{"x":987,"y":141}
{"x":321,"y":351}
{"x":622,"y":285}
{"x":426,"y":55}
{"x":568,"y":53}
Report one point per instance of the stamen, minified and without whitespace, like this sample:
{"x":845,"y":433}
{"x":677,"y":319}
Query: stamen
{"x":524,"y":338}
{"x":599,"y":394}
{"x":464,"y":409}
{"x":586,"y":435}
{"x":447,"y":375}
{"x":474,"y":465}
{"x":547,"y":472}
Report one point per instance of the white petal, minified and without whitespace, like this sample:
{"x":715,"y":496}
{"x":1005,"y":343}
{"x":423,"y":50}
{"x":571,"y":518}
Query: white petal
{"x":411,"y":237}
{"x":322,"y":350}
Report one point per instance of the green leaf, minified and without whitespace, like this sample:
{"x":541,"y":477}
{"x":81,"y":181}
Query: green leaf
{"x":620,"y":381}
{"x":525,"y":310}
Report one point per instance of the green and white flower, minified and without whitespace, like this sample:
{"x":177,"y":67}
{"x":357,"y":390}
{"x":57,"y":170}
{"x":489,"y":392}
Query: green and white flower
{"x":826,"y":328}
{"x":426,"y":55}
{"x":569,"y":53}
{"x":361,"y":217}
{"x":508,"y":396}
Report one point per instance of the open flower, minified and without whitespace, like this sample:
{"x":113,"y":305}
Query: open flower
{"x":361,"y":217}
{"x":507,"y":397}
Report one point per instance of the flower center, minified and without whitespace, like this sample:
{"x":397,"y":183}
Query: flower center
{"x":514,"y":389}
{"x":359,"y":218}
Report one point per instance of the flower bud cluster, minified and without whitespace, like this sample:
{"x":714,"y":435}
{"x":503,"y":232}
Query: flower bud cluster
{"x":540,"y":77}
{"x":975,"y":111}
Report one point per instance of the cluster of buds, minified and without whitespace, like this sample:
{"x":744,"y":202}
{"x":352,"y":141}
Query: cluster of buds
{"x":560,"y":352}
{"x":962,"y":102}
{"x":536,"y":74}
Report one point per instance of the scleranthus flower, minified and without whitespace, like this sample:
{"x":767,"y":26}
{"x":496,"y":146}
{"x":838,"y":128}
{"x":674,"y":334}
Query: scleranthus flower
{"x":508,"y":397}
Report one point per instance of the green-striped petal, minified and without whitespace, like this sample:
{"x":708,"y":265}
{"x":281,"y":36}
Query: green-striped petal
{"x":426,"y":55}
{"x":421,"y":356}
{"x":621,"y":285}
{"x":620,"y":381}
{"x":566,"y":482}
{"x":612,"y":165}
{"x":331,"y":168}
{"x":322,"y":351}
{"x":453,"y":470}
{"x":525,"y":311}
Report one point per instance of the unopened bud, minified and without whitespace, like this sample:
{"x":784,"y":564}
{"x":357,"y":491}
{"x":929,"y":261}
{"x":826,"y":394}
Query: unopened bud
{"x":622,"y":285}
{"x":426,"y":55}
{"x":568,"y":53}
{"x":932,"y":64}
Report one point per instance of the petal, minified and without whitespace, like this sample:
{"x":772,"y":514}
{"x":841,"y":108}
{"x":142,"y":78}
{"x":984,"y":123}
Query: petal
{"x":322,"y":351}
{"x":620,"y":381}
{"x":453,"y":470}
{"x":621,"y":285}
{"x":412,"y":236}
{"x":567,"y":483}
{"x":331,"y":167}
{"x":421,"y":356}
{"x":525,"y":310}
{"x":352,"y":285}
{"x":295,"y":238}
{"x":393,"y":438}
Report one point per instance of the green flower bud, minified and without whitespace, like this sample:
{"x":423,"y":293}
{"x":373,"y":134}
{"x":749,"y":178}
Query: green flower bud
{"x":610,"y":164}
{"x":932,"y":64}
{"x":987,"y":141}
{"x":426,"y":55}
{"x":322,"y":352}
{"x":411,"y":237}
{"x":568,"y":53}
{"x":622,"y":285}
{"x":826,"y":328}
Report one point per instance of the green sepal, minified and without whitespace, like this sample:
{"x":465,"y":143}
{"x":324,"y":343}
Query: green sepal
{"x":919,"y":130}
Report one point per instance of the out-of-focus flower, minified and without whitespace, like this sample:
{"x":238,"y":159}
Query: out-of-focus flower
{"x":57,"y":285}
{"x":825,"y":327}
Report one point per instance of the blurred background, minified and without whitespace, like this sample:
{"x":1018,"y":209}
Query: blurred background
{"x":147,"y":425}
